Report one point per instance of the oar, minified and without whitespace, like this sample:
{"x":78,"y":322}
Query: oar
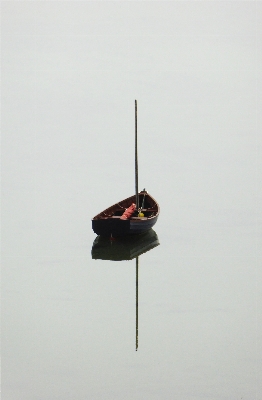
{"x":136,"y":157}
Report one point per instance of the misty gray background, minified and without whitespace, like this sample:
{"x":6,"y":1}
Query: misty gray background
{"x":70,"y":74}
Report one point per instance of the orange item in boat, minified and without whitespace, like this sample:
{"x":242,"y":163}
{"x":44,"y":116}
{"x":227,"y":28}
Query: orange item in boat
{"x":129,"y":211}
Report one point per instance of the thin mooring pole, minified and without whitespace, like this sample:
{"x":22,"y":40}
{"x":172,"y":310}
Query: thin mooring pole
{"x":136,"y":158}
{"x":136,"y":303}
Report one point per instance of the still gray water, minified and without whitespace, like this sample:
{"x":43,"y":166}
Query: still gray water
{"x":177,"y":317}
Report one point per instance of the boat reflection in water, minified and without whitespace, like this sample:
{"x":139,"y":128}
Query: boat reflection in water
{"x":125,"y":248}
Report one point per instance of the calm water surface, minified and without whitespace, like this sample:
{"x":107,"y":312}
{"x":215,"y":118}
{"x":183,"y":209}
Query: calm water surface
{"x":69,"y":321}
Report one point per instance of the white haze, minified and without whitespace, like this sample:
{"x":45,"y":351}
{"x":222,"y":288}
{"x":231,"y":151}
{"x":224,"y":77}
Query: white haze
{"x":71,"y":71}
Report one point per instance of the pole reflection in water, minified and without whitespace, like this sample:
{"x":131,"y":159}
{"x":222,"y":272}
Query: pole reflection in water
{"x":136,"y":303}
{"x":125,"y":248}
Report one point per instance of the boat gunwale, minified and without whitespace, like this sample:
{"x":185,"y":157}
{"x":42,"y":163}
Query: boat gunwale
{"x":113,"y":208}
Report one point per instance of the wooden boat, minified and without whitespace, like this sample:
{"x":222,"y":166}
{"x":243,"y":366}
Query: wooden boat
{"x":125,"y":248}
{"x":134,"y":215}
{"x":109,"y":222}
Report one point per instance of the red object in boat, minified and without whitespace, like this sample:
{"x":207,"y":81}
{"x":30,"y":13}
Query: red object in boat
{"x":129,"y":211}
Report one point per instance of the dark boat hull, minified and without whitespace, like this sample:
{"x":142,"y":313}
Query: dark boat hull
{"x":119,"y":227}
{"x":109,"y":223}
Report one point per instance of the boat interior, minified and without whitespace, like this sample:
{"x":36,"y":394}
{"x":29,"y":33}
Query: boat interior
{"x":147,"y":206}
